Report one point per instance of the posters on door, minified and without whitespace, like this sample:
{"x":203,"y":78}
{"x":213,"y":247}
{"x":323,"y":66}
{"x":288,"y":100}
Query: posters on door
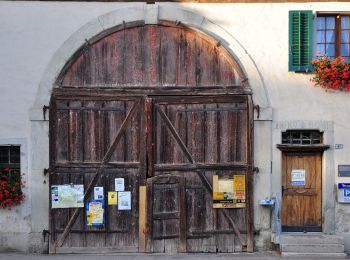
{"x":229,"y":191}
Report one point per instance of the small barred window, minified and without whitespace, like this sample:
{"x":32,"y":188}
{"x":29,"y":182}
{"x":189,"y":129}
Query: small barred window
{"x":302,"y":137}
{"x":11,"y":184}
{"x":10,"y":157}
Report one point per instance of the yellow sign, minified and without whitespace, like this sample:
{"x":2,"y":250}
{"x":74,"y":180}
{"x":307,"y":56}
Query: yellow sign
{"x":112,"y":198}
{"x":229,"y":191}
{"x":239,"y":187}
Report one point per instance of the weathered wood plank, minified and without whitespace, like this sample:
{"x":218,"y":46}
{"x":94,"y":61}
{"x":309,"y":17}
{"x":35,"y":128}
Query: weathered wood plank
{"x":205,"y":65}
{"x":112,"y":122}
{"x":75,"y":133}
{"x":151,"y":54}
{"x":133,"y":67}
{"x":142,"y":218}
{"x":250,"y":179}
{"x":62,"y":136}
{"x":96,"y":250}
{"x":169,"y":51}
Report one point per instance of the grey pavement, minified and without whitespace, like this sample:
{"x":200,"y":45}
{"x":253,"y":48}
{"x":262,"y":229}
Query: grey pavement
{"x":244,"y":256}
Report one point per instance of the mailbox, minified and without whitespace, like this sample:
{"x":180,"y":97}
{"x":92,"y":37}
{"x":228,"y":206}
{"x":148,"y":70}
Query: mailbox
{"x":344,"y":192}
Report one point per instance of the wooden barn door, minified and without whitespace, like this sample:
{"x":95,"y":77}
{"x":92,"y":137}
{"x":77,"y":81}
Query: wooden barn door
{"x":196,"y":138}
{"x":162,"y":105}
{"x":94,"y":141}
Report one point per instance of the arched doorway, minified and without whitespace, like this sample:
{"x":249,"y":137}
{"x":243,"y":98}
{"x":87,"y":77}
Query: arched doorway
{"x":157,"y":106}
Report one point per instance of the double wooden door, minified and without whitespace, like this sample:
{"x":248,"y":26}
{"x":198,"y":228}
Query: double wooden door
{"x":171,"y":144}
{"x":301,"y":192}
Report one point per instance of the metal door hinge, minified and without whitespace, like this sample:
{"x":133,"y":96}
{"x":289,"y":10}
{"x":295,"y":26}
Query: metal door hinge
{"x":46,"y":171}
{"x":45,"y":108}
{"x":256,"y":169}
{"x":45,"y":232}
{"x":257,"y":108}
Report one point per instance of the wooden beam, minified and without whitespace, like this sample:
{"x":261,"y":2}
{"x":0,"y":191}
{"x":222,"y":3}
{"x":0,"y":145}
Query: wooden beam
{"x":142,"y":218}
{"x":200,"y":166}
{"x":249,"y":185}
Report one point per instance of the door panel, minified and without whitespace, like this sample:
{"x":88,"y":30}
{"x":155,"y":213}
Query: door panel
{"x":198,"y":137}
{"x":301,"y":204}
{"x":166,"y":216}
{"x":83,"y":152}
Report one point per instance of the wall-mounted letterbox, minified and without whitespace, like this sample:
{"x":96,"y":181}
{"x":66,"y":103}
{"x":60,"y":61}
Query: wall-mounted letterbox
{"x":344,"y":170}
{"x":344,"y":192}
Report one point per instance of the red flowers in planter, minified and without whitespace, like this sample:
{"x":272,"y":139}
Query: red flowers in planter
{"x":332,"y":74}
{"x":10,"y":188}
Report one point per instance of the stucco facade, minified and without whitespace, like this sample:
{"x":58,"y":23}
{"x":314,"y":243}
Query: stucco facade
{"x":38,"y":38}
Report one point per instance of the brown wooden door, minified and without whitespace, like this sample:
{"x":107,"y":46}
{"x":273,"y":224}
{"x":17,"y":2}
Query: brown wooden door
{"x":166,"y":213}
{"x":94,"y":141}
{"x":197,"y":137}
{"x":301,"y":192}
{"x":177,"y":144}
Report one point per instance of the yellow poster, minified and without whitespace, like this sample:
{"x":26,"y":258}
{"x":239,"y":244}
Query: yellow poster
{"x":112,"y":198}
{"x":239,"y":187}
{"x":95,"y":212}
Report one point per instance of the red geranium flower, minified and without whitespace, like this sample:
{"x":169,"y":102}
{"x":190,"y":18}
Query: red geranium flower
{"x":10,"y":188}
{"x":331,"y":74}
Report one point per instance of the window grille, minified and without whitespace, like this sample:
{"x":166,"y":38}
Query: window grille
{"x":302,"y":137}
{"x":10,"y":157}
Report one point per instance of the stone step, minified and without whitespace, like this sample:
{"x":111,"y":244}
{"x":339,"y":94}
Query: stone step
{"x":310,"y":238}
{"x":314,"y":255}
{"x":312,"y":248}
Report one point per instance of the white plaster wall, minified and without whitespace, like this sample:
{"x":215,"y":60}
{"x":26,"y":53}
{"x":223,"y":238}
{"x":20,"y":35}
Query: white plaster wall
{"x":31,"y":33}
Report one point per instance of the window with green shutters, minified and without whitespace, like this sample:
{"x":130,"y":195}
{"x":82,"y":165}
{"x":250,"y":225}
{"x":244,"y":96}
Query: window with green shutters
{"x":300,"y":40}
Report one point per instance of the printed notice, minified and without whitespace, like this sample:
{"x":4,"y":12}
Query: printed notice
{"x":98,"y":193}
{"x":119,"y":184}
{"x":95,"y":212}
{"x":67,"y":196}
{"x":124,"y":200}
{"x":298,"y":177}
{"x":112,"y":198}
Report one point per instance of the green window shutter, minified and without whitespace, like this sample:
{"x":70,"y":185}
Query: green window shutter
{"x":300,"y":40}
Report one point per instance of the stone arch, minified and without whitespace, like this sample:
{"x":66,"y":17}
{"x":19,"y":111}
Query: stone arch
{"x":148,"y":15}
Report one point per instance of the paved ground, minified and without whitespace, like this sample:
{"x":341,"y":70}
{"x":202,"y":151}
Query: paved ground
{"x":245,"y":256}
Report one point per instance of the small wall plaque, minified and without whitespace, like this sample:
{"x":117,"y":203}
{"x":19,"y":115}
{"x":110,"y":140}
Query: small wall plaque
{"x":338,"y":146}
{"x":344,"y":170}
